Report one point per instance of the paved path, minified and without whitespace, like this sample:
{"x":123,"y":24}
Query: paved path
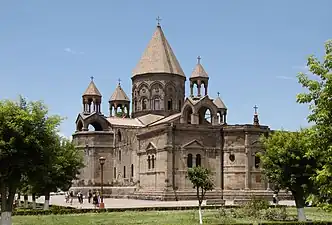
{"x":129,"y":203}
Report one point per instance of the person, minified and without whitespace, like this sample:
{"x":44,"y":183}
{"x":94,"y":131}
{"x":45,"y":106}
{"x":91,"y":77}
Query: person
{"x":67,"y":197}
{"x":275,"y":198}
{"x":95,"y":200}
{"x":71,"y":194}
{"x":81,"y":197}
{"x":89,"y":196}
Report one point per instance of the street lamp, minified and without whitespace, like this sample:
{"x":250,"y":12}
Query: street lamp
{"x":102,"y":162}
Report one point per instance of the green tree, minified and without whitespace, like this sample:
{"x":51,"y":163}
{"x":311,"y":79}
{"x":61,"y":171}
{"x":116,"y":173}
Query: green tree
{"x":25,"y":129}
{"x":66,"y":162}
{"x":318,"y":96}
{"x":287,"y":165}
{"x":200,"y":177}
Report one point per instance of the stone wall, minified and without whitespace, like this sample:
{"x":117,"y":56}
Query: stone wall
{"x":93,"y":145}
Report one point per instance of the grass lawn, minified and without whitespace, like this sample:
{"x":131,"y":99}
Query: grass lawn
{"x":153,"y":218}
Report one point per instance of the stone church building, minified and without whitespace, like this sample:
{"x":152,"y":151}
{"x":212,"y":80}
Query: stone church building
{"x":150,"y":141}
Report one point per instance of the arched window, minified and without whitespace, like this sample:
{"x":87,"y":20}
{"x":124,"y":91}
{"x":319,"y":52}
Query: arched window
{"x":144,"y":104}
{"x":119,"y":155}
{"x":180,"y":105}
{"x":149,"y":162}
{"x":169,"y":104}
{"x":153,"y":160}
{"x":135,"y":105}
{"x":198,"y":160}
{"x":132,"y":170}
{"x":124,"y":171}
{"x":190,"y":161}
{"x":119,"y":136}
{"x":156,"y":104}
{"x":114,"y":172}
{"x":232,"y":157}
{"x":257,"y":161}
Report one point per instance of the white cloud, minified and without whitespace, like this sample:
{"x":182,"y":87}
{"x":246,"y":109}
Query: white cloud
{"x":285,"y":78}
{"x":71,"y":51}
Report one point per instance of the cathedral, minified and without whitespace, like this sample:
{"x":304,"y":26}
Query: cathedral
{"x":150,"y":141}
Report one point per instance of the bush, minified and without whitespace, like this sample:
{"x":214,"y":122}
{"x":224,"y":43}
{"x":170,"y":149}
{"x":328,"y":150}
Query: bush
{"x":253,"y":207}
{"x":274,"y":214}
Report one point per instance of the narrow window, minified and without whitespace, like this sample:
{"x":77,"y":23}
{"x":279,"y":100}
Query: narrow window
{"x":180,"y":105}
{"x":257,"y":161}
{"x":149,"y":162}
{"x":119,"y":155}
{"x":198,"y":160}
{"x":169,"y":104}
{"x":144,"y":104}
{"x":132,"y":170}
{"x":190,"y":161}
{"x":135,"y":105}
{"x":114,"y":172}
{"x":153,"y":159}
{"x":119,"y":136}
{"x":124,"y":172}
{"x":156,"y":104}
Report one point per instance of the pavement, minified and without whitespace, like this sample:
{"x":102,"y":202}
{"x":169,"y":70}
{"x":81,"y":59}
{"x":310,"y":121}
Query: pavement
{"x":129,"y":203}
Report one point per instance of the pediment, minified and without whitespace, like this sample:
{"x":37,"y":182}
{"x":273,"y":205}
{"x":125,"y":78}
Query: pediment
{"x":151,"y":146}
{"x":193,"y":144}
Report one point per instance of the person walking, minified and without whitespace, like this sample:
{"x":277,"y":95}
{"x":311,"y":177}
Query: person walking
{"x":89,"y":196}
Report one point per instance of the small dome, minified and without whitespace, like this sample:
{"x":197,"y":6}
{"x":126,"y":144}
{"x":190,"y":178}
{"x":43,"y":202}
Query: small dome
{"x":219,"y":103}
{"x":119,"y":95}
{"x":199,"y":70}
{"x":92,"y":90}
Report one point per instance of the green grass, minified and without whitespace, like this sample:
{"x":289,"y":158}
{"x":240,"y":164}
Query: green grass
{"x":151,"y":218}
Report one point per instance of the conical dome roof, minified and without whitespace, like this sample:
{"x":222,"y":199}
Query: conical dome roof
{"x":158,"y":57}
{"x":92,"y":90}
{"x":119,"y":95}
{"x":219,"y":103}
{"x":199,"y":70}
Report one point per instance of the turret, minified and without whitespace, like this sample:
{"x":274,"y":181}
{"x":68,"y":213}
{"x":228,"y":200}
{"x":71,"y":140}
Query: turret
{"x":199,"y":77}
{"x":119,"y":103}
{"x":91,"y":99}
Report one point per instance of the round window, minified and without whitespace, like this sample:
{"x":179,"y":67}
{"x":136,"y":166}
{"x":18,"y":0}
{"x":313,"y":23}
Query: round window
{"x":232,"y":157}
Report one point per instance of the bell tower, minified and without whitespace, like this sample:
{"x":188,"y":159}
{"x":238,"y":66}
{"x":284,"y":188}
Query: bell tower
{"x":199,"y":78}
{"x":91,"y":99}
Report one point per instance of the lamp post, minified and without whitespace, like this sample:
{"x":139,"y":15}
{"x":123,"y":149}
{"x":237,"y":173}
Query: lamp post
{"x":102,"y":162}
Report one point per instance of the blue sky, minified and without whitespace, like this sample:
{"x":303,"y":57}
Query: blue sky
{"x":252,"y":50}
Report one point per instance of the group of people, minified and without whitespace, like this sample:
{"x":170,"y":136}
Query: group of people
{"x":93,"y":198}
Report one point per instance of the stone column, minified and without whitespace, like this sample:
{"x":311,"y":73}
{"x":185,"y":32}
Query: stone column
{"x":191,"y":89}
{"x":247,"y":162}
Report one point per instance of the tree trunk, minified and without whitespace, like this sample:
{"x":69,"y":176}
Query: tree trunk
{"x":19,"y":199}
{"x":300,"y":203}
{"x":33,"y":201}
{"x":26,"y":201}
{"x":7,"y":199}
{"x":200,"y":214}
{"x":47,"y":201}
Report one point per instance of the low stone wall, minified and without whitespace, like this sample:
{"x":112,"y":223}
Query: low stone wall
{"x":108,"y":192}
{"x":170,"y":195}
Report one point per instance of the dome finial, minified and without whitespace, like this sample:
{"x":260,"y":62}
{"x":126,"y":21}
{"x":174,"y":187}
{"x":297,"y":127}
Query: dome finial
{"x":119,"y":82}
{"x":218,"y":93}
{"x":199,"y":60}
{"x":91,"y":78}
{"x":255,"y":107}
{"x":158,"y":21}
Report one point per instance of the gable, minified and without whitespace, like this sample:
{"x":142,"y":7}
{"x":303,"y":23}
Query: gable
{"x":193,"y":144}
{"x":151,"y":148}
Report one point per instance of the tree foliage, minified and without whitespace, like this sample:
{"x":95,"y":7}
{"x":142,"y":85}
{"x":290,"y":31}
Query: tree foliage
{"x":200,"y":177}
{"x":287,"y":165}
{"x":318,"y":96}
{"x":66,"y":162}
{"x":25,"y":130}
